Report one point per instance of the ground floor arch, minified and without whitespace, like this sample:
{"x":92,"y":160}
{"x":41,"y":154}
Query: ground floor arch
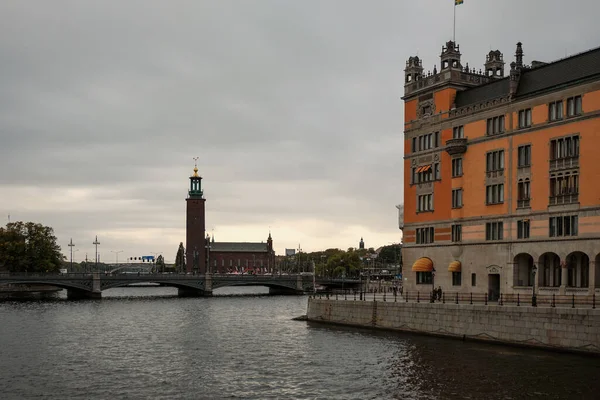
{"x":523,"y":270}
{"x":549,"y":270}
{"x":578,"y":269}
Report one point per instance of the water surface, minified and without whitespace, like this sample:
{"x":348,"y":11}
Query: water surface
{"x":134,"y":345}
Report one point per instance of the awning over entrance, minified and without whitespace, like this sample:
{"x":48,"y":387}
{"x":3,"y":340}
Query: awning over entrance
{"x":423,"y":265}
{"x":454,"y":266}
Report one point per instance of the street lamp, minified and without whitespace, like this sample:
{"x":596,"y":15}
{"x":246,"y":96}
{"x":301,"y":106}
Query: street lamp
{"x":71,"y":245}
{"x":96,"y":243}
{"x":117,"y":254}
{"x":533,"y":298}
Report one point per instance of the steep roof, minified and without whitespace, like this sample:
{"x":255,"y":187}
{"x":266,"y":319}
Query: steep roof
{"x":239,"y":247}
{"x":492,"y":90}
{"x":578,"y":67}
{"x":568,"y":70}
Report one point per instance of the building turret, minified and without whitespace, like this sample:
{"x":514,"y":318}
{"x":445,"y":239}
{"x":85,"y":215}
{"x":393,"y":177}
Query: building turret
{"x":494,"y":64}
{"x":413,"y":70}
{"x":519,"y":55}
{"x":361,"y":245}
{"x":450,"y":57}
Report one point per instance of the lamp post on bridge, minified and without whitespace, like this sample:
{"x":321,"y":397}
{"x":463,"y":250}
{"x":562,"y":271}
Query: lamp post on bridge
{"x":117,"y":255}
{"x":71,"y":245}
{"x":96,"y":243}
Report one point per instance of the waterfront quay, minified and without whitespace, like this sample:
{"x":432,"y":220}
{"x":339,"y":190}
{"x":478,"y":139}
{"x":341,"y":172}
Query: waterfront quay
{"x":561,"y":325}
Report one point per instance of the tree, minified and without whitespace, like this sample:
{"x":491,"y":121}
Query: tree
{"x":391,"y":254}
{"x":29,"y":247}
{"x":160,"y":263}
{"x":180,"y":258}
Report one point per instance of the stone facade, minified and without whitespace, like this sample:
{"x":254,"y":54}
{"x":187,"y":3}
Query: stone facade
{"x":557,"y":328}
{"x":500,"y":176}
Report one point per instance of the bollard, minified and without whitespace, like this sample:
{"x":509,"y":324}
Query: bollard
{"x":345,"y":295}
{"x":518,"y":300}
{"x":354,"y":295}
{"x":500,"y":299}
{"x":395,"y":297}
{"x":384,"y":293}
{"x":573,"y":301}
{"x":336,"y":295}
{"x":485,"y":296}
{"x":373,"y":295}
{"x":418,"y":297}
{"x":444,"y":298}
{"x":456,"y":297}
{"x":553,"y":301}
{"x":594,"y":300}
{"x":471,"y":298}
{"x":407,"y":295}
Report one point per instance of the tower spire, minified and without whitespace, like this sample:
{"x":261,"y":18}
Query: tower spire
{"x":195,"y":167}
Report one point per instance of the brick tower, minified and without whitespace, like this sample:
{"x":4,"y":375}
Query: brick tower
{"x":195,"y":251}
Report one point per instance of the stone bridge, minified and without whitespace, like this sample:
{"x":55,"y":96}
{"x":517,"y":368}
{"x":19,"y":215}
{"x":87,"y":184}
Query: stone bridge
{"x":91,"y":285}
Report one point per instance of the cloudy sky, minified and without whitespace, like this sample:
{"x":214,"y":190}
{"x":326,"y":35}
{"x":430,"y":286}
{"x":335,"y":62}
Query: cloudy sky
{"x":293,"y":108}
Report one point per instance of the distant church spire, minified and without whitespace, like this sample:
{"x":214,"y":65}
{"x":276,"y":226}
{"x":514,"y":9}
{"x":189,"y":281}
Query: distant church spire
{"x":361,"y":245}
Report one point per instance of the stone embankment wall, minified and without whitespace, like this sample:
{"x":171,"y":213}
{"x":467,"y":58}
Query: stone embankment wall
{"x":573,"y":329}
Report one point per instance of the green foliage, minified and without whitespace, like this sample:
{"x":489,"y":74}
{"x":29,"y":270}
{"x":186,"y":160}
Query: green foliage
{"x":29,"y":247}
{"x":391,"y":254}
{"x":159,"y":266}
{"x":180,"y":259}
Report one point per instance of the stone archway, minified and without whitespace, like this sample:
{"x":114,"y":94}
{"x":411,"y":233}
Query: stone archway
{"x":578,"y":270}
{"x":549,"y":270}
{"x":523,"y":270}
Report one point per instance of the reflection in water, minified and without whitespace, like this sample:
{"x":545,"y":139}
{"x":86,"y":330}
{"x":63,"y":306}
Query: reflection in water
{"x":131,"y":345}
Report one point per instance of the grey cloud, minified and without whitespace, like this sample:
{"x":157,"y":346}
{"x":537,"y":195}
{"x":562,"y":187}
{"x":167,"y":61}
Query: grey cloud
{"x":293,"y":107}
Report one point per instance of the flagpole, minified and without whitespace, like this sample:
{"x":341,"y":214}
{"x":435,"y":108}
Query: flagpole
{"x":454,"y":26}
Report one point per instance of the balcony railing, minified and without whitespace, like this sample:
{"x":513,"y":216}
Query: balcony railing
{"x":495,"y":173}
{"x":456,"y":146}
{"x":525,"y":203}
{"x":564,"y":163}
{"x":564,"y":199}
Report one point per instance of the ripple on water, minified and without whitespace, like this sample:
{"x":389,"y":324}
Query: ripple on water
{"x":134,"y":345}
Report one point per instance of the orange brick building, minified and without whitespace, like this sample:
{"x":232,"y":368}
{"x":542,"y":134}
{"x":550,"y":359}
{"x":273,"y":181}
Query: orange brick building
{"x":501,"y":175}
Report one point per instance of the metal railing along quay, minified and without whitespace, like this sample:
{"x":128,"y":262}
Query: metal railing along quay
{"x":554,"y":300}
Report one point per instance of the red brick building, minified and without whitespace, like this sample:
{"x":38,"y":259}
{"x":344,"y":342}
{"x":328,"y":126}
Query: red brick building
{"x":220,"y":257}
{"x":242,"y":257}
